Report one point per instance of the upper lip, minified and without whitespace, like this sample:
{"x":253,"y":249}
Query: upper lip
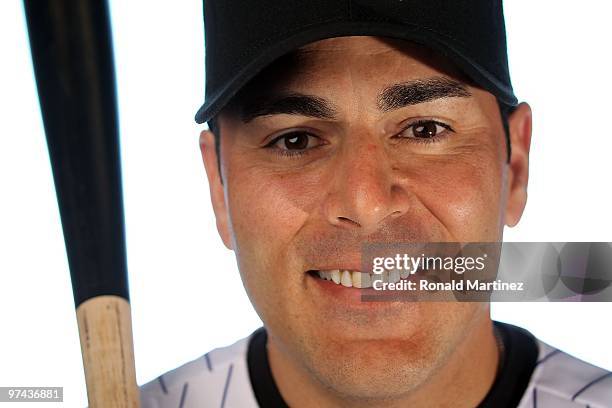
{"x":350,"y":266}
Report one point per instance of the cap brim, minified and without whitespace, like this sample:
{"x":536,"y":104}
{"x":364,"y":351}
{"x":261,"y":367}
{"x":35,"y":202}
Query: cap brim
{"x":439,"y":43}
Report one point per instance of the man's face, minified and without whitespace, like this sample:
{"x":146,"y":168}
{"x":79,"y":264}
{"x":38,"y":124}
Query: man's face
{"x":361,"y":140}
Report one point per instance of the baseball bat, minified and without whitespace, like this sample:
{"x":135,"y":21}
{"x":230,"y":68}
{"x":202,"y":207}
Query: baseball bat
{"x":72,"y":56}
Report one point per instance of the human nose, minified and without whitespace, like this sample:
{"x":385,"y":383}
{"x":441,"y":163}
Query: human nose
{"x":364,"y":192}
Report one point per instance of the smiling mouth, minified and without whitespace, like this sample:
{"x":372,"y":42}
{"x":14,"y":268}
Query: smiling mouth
{"x":358,"y":279}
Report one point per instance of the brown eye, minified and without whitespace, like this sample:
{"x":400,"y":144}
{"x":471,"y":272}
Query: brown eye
{"x":294,"y":141}
{"x":426,"y":130}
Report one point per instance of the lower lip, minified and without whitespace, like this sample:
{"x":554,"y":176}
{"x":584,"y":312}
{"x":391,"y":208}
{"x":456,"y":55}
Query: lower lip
{"x":357,"y":318}
{"x":347,"y":295}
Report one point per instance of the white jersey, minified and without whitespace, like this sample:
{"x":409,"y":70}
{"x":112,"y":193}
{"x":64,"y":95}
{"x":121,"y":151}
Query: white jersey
{"x":239,"y":376}
{"x":220,"y":378}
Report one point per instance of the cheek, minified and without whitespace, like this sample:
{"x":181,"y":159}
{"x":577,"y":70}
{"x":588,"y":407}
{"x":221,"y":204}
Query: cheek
{"x":465,"y":196}
{"x":266,"y":210}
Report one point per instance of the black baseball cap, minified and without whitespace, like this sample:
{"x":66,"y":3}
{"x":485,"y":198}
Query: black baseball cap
{"x":244,"y":36}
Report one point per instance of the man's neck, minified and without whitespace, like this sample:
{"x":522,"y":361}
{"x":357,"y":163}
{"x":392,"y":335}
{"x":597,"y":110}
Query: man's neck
{"x":462,"y":381}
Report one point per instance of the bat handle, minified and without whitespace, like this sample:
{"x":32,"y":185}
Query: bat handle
{"x":105,"y":330}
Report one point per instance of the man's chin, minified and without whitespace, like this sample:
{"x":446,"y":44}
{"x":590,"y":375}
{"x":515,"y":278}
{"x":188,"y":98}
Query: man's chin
{"x":385,"y":357}
{"x":373,"y":370}
{"x":396,"y":326}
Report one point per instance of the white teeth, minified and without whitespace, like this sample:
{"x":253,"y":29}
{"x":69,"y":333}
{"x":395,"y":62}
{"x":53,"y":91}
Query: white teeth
{"x":394,"y":276}
{"x":361,"y":280}
{"x":346,"y":279}
{"x":356,"y":276}
{"x":366,"y":280}
{"x":376,"y":278}
{"x":349,"y":278}
{"x":382,"y":277}
{"x":335,"y":276}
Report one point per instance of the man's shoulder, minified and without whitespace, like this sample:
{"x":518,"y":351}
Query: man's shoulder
{"x":217,"y":378}
{"x":562,"y":380}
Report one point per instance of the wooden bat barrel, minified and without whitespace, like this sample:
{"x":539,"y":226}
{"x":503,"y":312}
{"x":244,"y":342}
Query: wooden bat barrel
{"x":71,"y":46}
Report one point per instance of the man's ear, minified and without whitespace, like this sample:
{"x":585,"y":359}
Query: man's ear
{"x":519,"y":126}
{"x":217,"y":196}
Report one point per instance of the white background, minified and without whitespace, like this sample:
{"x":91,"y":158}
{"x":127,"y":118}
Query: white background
{"x":186,"y":293}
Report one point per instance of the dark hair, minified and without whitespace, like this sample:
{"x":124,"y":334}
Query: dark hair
{"x":506,"y":111}
{"x":214,"y":128}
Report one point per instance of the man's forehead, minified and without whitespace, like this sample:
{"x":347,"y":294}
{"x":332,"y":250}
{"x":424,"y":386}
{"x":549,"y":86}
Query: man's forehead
{"x":385,"y":50}
{"x":304,"y":68}
{"x":361,"y":44}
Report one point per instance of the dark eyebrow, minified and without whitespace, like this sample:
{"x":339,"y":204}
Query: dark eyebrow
{"x":293,"y":104}
{"x":419,"y":91}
